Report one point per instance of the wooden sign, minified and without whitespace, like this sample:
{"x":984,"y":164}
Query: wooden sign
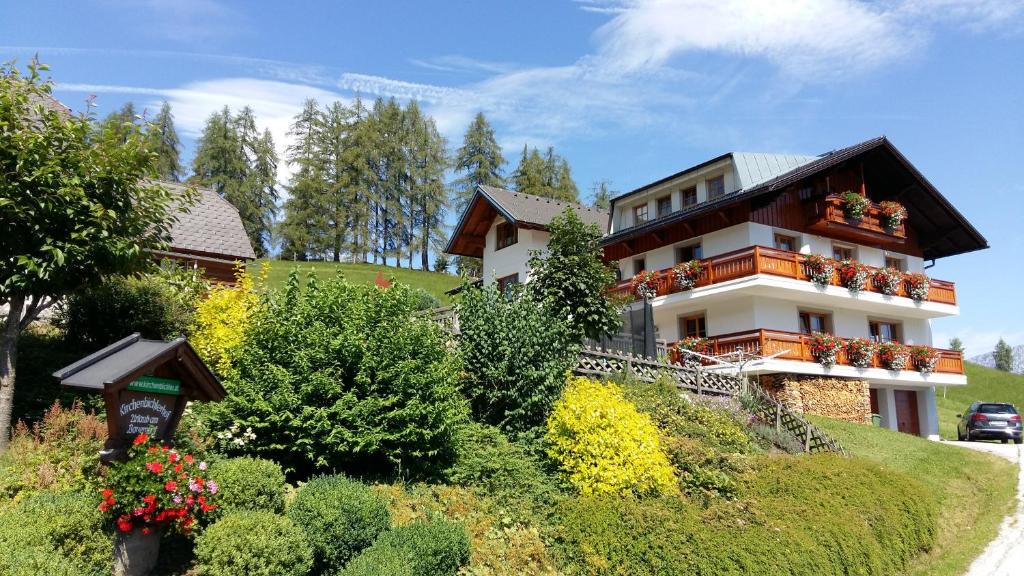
{"x":146,"y":385}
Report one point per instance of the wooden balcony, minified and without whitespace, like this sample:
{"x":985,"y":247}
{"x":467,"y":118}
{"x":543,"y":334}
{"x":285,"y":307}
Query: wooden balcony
{"x":826,"y":217}
{"x":795,"y":346}
{"x":764,"y":260}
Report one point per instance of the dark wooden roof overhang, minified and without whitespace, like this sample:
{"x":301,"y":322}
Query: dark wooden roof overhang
{"x":470,"y":233}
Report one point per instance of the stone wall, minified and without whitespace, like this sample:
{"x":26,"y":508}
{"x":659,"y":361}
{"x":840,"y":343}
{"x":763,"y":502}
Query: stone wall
{"x":839,"y":398}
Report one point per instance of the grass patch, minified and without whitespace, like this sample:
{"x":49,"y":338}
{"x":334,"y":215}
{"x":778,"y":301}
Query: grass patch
{"x":984,"y":384}
{"x":975,"y":490}
{"x":435,"y":283}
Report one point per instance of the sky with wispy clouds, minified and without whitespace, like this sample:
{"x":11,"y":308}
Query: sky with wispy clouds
{"x":628,"y":90}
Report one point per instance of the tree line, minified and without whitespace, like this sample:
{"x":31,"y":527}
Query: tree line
{"x":369,"y":181}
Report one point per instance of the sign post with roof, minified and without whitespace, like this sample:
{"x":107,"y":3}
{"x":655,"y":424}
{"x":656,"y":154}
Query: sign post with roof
{"x":145,"y":384}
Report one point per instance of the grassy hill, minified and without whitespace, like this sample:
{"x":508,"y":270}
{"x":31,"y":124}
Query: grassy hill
{"x":975,"y":490}
{"x":985,"y":384}
{"x":435,"y":283}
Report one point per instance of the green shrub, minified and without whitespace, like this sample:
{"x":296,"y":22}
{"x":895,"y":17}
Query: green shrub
{"x":431,"y":548}
{"x":486,"y":458}
{"x":149,"y":304}
{"x":516,"y":353}
{"x":248,"y":484}
{"x":340,"y":517}
{"x":604,"y":444}
{"x":253,"y":544}
{"x":768,"y":437}
{"x":41,"y":349}
{"x":54,"y":534}
{"x":342,"y":377}
{"x":824,"y":515}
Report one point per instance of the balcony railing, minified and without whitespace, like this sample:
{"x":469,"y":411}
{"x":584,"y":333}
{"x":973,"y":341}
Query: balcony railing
{"x":795,"y":346}
{"x":827,"y":215}
{"x":764,"y":260}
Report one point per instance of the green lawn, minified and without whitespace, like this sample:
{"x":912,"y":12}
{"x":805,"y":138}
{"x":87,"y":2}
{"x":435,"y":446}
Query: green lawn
{"x":435,"y":283}
{"x":985,"y":384}
{"x":975,"y":490}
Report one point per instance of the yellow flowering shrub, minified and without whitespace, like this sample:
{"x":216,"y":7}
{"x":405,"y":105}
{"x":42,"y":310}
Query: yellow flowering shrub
{"x":604,"y":444}
{"x":221,"y":318}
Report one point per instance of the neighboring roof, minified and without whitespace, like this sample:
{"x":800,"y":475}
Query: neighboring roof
{"x":537,"y":210}
{"x":522,"y":210}
{"x":934,"y":215}
{"x":48,"y":101}
{"x":210,"y":226}
{"x":116,"y":365}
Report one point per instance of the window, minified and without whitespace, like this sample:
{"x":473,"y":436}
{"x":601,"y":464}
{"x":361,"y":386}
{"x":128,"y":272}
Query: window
{"x":840,"y":252}
{"x":692,"y":326}
{"x":883,"y":331}
{"x":687,"y":253}
{"x":716,"y":187}
{"x":784,"y":242}
{"x":815,"y":322}
{"x":689,"y":196}
{"x":505,"y":281}
{"x":639,"y":265}
{"x":639,"y":214}
{"x":507,"y":235}
{"x":896,"y":263}
{"x":664,"y":206}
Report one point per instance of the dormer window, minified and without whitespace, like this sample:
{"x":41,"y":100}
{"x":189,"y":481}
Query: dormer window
{"x":715,"y":186}
{"x":507,"y":235}
{"x":639,"y":214}
{"x":689,"y":196}
{"x":664,"y":206}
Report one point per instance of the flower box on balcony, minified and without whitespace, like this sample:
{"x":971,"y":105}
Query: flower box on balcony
{"x":831,"y":216}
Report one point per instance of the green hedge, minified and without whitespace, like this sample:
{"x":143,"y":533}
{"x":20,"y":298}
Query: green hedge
{"x":431,"y":548}
{"x":248,"y":484}
{"x":821,"y":515}
{"x":49,"y":534}
{"x":340,"y":517}
{"x":253,"y":544}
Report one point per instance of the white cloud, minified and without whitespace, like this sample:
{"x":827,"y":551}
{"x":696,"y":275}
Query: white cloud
{"x":184,"y":21}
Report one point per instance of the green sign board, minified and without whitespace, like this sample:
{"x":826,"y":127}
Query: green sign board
{"x":156,"y":385}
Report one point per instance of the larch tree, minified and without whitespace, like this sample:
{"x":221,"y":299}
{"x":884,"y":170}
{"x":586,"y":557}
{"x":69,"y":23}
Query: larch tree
{"x":164,"y":142}
{"x":601,"y":196}
{"x":76,"y":204}
{"x":547,"y":175}
{"x":123,"y":122}
{"x":302,"y":226}
{"x":1003,"y":356}
{"x":479,"y":160}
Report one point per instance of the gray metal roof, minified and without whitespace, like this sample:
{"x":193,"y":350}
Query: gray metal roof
{"x":753,"y":168}
{"x":113,"y":362}
{"x":539,"y":211}
{"x":212,"y":226}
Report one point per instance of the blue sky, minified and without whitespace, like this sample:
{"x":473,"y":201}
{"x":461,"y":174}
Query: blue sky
{"x":628,"y":90}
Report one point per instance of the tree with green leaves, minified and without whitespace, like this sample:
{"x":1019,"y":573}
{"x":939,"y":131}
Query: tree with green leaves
{"x":479,"y":160}
{"x":123,"y":122}
{"x":164,"y":142}
{"x":76,"y":204}
{"x":428,"y":196}
{"x":601,"y":196}
{"x":547,"y":175}
{"x":956,"y":344}
{"x":1003,"y":356}
{"x":302,"y":226}
{"x":573,"y":277}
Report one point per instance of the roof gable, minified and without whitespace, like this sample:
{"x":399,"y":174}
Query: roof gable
{"x":211,"y":226}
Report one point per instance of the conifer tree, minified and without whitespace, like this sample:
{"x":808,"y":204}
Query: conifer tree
{"x":479,"y":159}
{"x":601,"y":196}
{"x":302,"y":223}
{"x":1003,"y":356}
{"x":163,"y":140}
{"x":123,"y":122}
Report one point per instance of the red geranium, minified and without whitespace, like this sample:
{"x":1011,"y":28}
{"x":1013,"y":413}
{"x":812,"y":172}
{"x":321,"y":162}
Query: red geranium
{"x":140,"y":439}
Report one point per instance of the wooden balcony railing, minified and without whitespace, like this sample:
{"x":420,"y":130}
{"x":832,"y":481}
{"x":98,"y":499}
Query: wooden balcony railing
{"x":764,"y":260}
{"x":827,"y":216}
{"x":795,"y":346}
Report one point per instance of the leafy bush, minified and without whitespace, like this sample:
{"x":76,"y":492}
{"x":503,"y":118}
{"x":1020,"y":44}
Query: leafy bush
{"x":54,"y":534}
{"x":58,"y":453}
{"x":340,"y":517}
{"x":253,"y":543}
{"x":485,"y":458}
{"x":248,"y":484}
{"x":41,"y":349}
{"x":431,"y":548}
{"x":873,"y":522}
{"x":342,"y":377}
{"x":516,"y":353}
{"x":221,"y":318}
{"x":782,"y":439}
{"x":604,"y":444}
{"x":100,"y":315}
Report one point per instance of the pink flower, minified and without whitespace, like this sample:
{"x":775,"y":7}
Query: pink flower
{"x":211,"y":487}
{"x":171,"y":486}
{"x":177,"y":498}
{"x":202,"y":465}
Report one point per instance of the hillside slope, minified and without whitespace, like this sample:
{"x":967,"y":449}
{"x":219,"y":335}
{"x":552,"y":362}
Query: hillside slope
{"x":975,"y":490}
{"x":436,"y":283}
{"x":985,"y":384}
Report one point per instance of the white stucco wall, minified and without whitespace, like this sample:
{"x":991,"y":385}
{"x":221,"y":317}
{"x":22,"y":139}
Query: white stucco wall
{"x":511,"y":259}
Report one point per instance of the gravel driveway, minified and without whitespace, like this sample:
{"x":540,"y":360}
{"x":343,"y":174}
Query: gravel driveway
{"x":1004,"y":556}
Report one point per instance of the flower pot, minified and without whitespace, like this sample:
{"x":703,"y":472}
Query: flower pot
{"x":135,"y":553}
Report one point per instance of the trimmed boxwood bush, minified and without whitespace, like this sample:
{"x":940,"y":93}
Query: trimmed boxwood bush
{"x":54,"y":534}
{"x":248,"y":484}
{"x":430,"y":548}
{"x":341,"y":517}
{"x":872,"y":522}
{"x":253,"y":543}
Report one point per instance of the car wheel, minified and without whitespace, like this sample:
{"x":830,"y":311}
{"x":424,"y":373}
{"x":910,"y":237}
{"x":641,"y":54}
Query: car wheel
{"x":1018,"y":440}
{"x":1005,"y":440}
{"x":959,"y":435}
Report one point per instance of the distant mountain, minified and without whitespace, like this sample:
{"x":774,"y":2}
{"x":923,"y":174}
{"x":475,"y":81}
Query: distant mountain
{"x":990,"y":362}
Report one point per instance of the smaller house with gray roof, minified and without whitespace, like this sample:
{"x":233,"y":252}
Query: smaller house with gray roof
{"x":209,"y":235}
{"x":502,"y":227}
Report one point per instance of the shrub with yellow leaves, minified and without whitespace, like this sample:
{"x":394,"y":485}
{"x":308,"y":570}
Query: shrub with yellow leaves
{"x":604,"y":444}
{"x":221,"y":318}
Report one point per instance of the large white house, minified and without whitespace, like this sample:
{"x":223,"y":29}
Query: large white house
{"x":751,"y":220}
